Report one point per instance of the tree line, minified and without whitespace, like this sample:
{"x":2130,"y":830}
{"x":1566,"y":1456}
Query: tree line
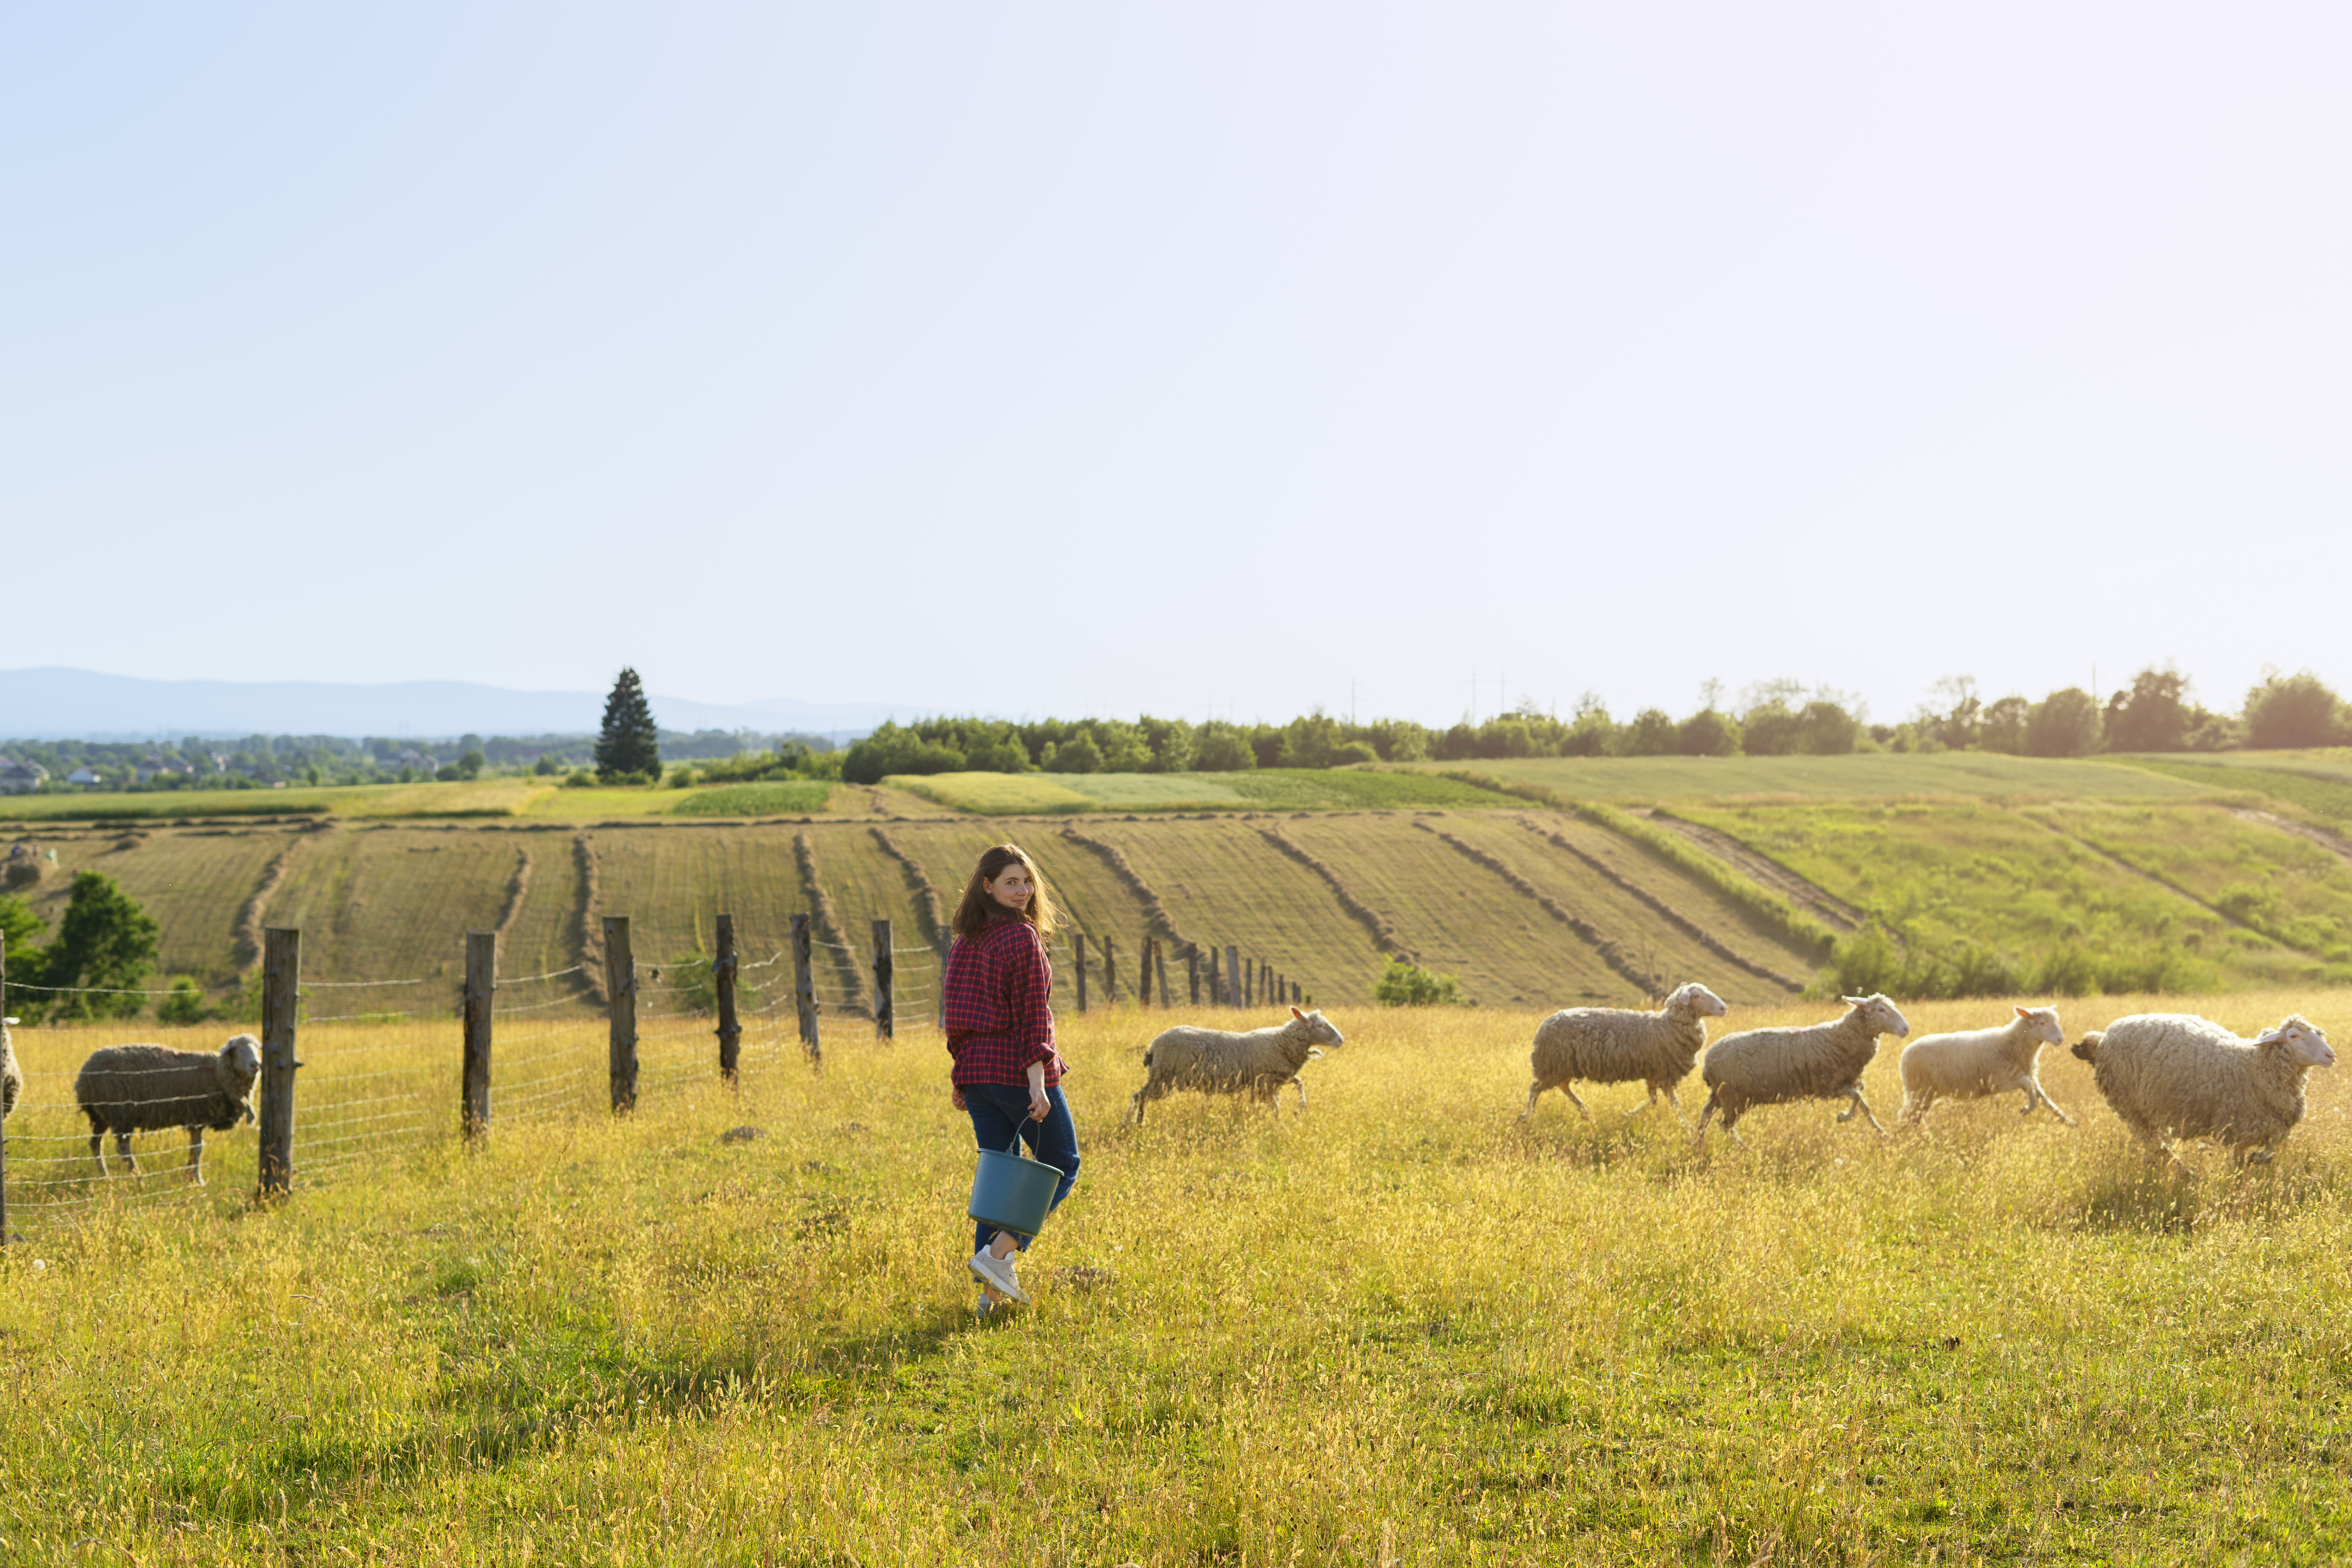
{"x":2156,"y":712}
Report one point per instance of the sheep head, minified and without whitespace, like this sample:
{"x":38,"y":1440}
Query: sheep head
{"x":1318,"y":1029}
{"x":1878,"y":1013}
{"x":239,"y":1064}
{"x":2301,"y":1042}
{"x":1696,"y":1001}
{"x":2087,"y":1048}
{"x":2045,"y":1025}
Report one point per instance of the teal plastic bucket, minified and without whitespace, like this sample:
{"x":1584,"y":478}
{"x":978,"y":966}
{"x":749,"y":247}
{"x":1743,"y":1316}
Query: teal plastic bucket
{"x":1012,"y":1192}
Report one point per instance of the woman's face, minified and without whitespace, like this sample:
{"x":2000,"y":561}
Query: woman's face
{"x":1012,"y":888}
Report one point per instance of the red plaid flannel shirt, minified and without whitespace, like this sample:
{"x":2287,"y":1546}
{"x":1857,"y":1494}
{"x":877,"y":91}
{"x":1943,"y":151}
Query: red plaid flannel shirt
{"x":1000,"y":1014}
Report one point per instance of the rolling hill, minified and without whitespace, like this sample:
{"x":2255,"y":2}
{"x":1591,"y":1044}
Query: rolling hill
{"x":1941,"y":875}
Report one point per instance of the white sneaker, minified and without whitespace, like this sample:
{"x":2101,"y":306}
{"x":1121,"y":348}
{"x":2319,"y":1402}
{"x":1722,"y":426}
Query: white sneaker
{"x":996,"y":1273}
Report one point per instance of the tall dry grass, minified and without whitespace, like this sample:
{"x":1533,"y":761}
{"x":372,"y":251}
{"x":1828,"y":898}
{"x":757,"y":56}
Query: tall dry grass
{"x":1405,"y":1327}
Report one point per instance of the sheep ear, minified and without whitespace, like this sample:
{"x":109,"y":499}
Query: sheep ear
{"x":1855,"y":1001}
{"x":2270,"y":1036}
{"x":2025,"y":1012}
{"x":1297,"y":1015}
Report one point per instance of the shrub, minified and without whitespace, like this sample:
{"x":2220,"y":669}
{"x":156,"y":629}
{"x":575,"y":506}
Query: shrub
{"x":1079,"y":754}
{"x":2065,"y":724}
{"x":1221,"y":748}
{"x":2291,"y":710}
{"x":1403,"y":984}
{"x":184,"y":1005}
{"x":1707,"y":734}
{"x":2003,"y":726}
{"x":1352,"y":753}
{"x":578,"y":778}
{"x":2154,"y":715}
{"x":1650,"y":734}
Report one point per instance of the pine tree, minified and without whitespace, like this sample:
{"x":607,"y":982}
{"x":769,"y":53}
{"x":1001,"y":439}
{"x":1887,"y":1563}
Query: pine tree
{"x":629,"y":748}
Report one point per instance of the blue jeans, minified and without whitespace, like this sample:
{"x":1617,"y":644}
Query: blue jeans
{"x":996,"y":1108}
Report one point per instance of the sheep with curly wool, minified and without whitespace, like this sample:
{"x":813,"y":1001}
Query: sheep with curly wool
{"x":1623,"y":1044}
{"x":1821,"y":1062}
{"x":1258,"y":1062}
{"x":1970,"y":1064}
{"x":2177,"y":1074}
{"x":147,"y":1088}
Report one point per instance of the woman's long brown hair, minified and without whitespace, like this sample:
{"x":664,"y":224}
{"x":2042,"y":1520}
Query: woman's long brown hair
{"x":977,"y":910}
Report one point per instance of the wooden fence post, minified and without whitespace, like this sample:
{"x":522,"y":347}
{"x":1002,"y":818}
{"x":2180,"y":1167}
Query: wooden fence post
{"x":481,"y":985}
{"x":886,"y":1007}
{"x":805,"y":991}
{"x":621,"y":985}
{"x":1233,"y":976}
{"x":1160,"y":962}
{"x":1110,"y":974}
{"x":1248,"y":987}
{"x":1216,"y":980}
{"x":1078,"y":947}
{"x":1143,"y":978}
{"x":947,"y":940}
{"x":722,"y":985}
{"x":1192,"y":971}
{"x":281,"y":980}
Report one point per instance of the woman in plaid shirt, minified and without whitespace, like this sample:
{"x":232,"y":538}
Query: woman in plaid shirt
{"x":1000,"y":1025}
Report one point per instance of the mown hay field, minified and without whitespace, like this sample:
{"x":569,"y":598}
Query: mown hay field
{"x":1524,"y":905}
{"x":1405,"y":1327}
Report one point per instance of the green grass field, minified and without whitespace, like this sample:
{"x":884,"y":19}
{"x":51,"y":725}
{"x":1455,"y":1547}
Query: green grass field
{"x":1266,"y":789}
{"x":1406,"y":1327}
{"x":1968,"y":882}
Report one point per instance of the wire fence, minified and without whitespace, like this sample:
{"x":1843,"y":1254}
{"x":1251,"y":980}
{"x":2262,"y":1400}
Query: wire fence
{"x":378,"y":1059}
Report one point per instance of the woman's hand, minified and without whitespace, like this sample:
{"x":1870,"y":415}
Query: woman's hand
{"x":1040,"y":1107}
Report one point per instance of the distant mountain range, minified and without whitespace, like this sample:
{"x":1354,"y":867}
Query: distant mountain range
{"x":60,"y":704}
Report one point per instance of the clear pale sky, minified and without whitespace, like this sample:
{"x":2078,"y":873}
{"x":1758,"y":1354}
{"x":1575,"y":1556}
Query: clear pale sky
{"x":1177,"y":358}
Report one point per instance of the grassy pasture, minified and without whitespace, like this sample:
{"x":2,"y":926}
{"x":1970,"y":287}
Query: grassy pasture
{"x":1264,"y":789}
{"x":1863,"y":775}
{"x":2292,"y":890}
{"x":1406,"y":1327}
{"x":1951,"y":874}
{"x":2318,"y":782}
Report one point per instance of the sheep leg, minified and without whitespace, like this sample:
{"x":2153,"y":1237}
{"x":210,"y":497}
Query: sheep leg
{"x":1647,"y":1104}
{"x":1706,"y":1114}
{"x":1569,"y":1089}
{"x":1300,"y":1085}
{"x":2036,"y":1095}
{"x":1535,"y":1092}
{"x":98,"y":1148}
{"x":122,"y":1147}
{"x":1862,"y":1105}
{"x":197,"y":1156}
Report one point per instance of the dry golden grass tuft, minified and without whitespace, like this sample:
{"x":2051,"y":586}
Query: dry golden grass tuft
{"x":1406,"y":1325}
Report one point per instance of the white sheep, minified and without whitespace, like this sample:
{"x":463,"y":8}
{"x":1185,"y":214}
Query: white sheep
{"x":11,"y":1077}
{"x":1623,"y":1044}
{"x":1259,"y":1062}
{"x":1821,"y":1062}
{"x":2178,"y":1073}
{"x":146,"y":1089}
{"x":1972,"y":1064}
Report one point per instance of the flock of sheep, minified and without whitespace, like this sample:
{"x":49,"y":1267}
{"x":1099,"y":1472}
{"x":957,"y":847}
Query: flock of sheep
{"x":124,"y":1090}
{"x":2166,"y":1074}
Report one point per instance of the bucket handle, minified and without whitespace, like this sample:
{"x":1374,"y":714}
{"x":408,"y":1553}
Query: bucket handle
{"x":1014,"y":1148}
